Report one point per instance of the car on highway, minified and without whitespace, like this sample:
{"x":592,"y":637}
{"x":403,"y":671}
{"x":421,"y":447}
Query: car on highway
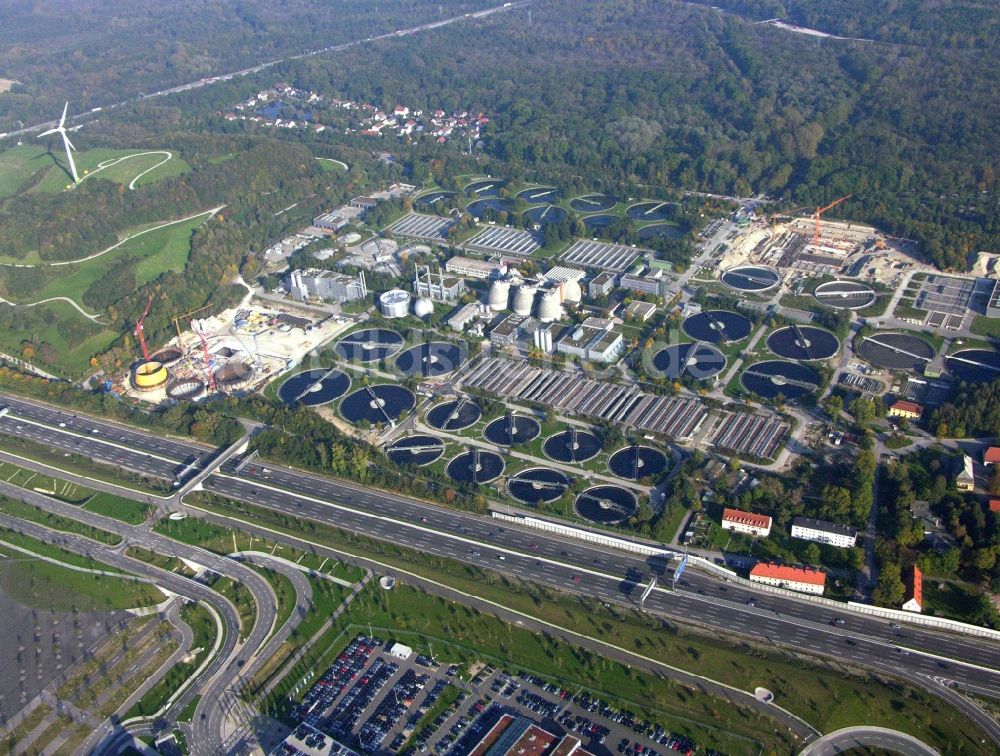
{"x":751,"y":603}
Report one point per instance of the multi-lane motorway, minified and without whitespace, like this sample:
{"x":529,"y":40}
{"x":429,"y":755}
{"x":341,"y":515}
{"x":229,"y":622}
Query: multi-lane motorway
{"x":935,"y":660}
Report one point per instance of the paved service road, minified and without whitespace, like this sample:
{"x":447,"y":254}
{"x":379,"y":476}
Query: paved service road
{"x":916,"y":653}
{"x":864,"y":738}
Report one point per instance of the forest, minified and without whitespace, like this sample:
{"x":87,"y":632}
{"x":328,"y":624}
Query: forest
{"x":647,"y":97}
{"x":93,"y":54}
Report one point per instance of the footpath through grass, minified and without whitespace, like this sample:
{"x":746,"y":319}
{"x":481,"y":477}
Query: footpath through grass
{"x":827,"y":695}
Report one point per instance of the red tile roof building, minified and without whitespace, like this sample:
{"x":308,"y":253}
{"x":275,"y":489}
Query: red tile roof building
{"x":746,"y":522}
{"x":991,"y":456}
{"x":906,"y":409}
{"x":801,"y":579}
{"x":914,"y":590}
{"x":995,"y":505}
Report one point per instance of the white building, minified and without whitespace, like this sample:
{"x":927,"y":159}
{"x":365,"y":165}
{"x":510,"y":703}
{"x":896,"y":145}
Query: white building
{"x":473,"y":268}
{"x":821,"y":531}
{"x":465,"y":315}
{"x":399,"y":651}
{"x":746,"y":522}
{"x":593,"y":340}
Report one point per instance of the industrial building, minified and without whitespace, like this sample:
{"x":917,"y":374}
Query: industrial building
{"x":594,"y":341}
{"x":437,"y":286}
{"x":463,"y":316}
{"x":801,"y":579}
{"x":470,"y":267}
{"x":326,"y":285}
{"x":570,"y":279}
{"x":654,"y":282}
{"x":746,"y":522}
{"x":505,"y":332}
{"x":822,"y":531}
{"x":602,"y":284}
{"x":639,"y":310}
{"x":331,"y":222}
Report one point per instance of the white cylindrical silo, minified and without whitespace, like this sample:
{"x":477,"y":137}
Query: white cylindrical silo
{"x":549,"y":308}
{"x":524,"y":299}
{"x":499,"y":295}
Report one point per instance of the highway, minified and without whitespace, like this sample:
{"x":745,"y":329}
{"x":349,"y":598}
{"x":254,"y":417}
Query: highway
{"x":934,"y":660}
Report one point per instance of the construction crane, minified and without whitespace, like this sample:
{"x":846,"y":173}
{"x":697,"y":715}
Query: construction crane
{"x":138,"y":329}
{"x":820,"y":211}
{"x":208,"y":361}
{"x":177,"y":327}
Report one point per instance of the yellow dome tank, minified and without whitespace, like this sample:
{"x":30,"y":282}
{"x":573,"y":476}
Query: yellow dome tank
{"x":149,"y":376}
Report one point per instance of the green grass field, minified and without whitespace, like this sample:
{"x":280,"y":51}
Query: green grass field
{"x":118,"y":507}
{"x":50,"y":586}
{"x":34,"y":165}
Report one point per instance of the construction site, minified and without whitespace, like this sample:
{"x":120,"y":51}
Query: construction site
{"x":237,"y":351}
{"x":813,"y":245}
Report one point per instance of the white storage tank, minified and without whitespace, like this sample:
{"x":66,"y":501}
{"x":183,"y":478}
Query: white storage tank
{"x":572,"y":291}
{"x":549,"y":308}
{"x":423,"y":307}
{"x":499,"y":295}
{"x":524,"y":300}
{"x":394,"y":303}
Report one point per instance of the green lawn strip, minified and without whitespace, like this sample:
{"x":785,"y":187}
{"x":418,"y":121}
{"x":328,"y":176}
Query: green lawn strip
{"x":284,"y":592}
{"x":326,"y":598}
{"x":30,"y":512}
{"x":425,"y":725}
{"x":984,"y":326}
{"x":203,"y":626}
{"x":241,"y":598}
{"x":118,"y":508}
{"x":10,"y":742}
{"x":49,"y":485}
{"x":164,"y":562}
{"x":823,"y":694}
{"x":78,"y":464}
{"x":222,"y":540}
{"x":45,"y":585}
{"x":187,"y":713}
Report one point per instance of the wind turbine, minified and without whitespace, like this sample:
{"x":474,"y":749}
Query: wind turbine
{"x":61,"y":131}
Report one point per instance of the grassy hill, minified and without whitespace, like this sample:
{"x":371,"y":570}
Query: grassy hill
{"x":37,"y":168}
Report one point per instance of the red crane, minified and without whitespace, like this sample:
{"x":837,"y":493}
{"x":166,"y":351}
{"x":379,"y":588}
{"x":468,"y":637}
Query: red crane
{"x":208,"y":362}
{"x":820,"y":211}
{"x":138,"y":329}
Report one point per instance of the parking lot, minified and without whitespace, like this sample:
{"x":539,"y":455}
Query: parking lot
{"x":376,"y":703}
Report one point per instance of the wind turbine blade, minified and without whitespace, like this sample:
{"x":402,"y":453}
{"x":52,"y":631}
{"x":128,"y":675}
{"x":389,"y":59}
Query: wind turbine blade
{"x":63,"y":119}
{"x":69,"y":143}
{"x":46,"y":133}
{"x":69,"y":156}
